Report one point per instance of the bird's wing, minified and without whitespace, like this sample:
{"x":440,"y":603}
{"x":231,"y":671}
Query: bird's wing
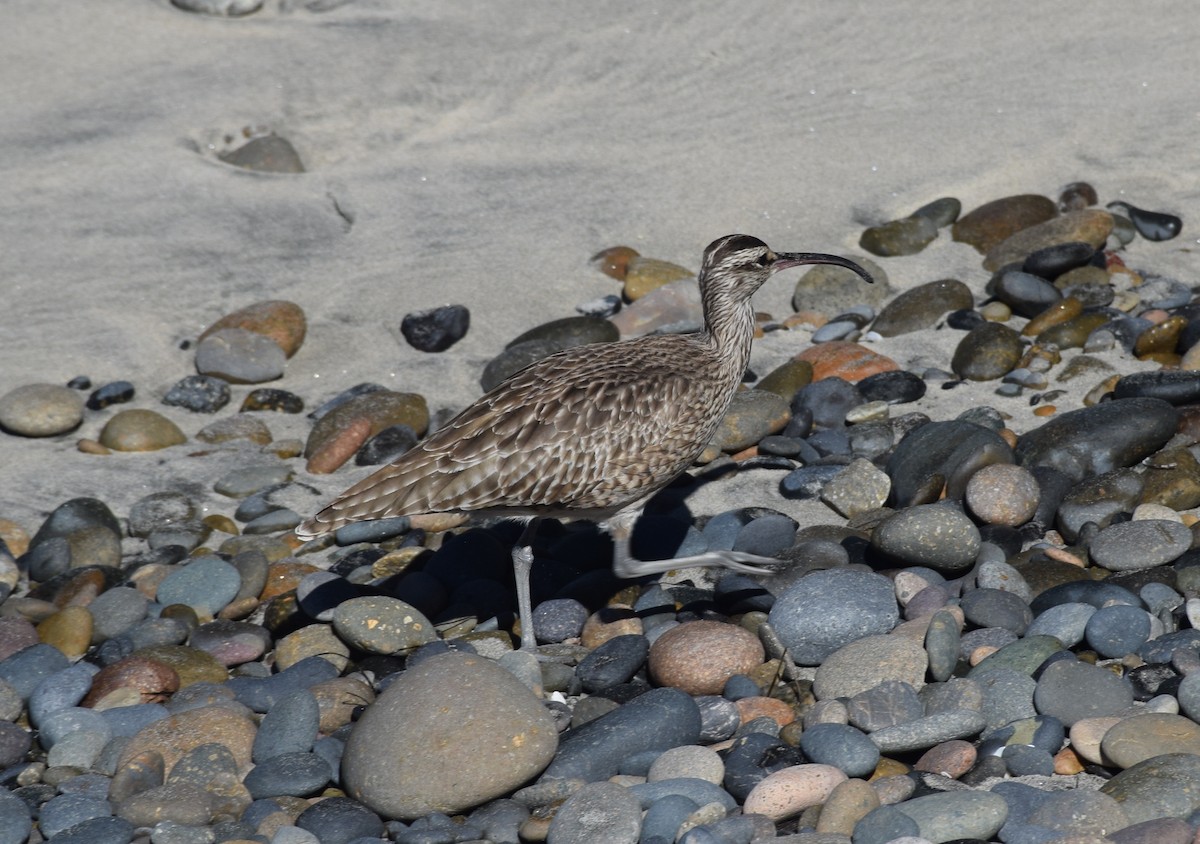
{"x":586,"y":429}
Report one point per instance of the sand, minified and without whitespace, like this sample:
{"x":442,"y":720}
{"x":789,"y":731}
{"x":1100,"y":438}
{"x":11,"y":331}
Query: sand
{"x":479,"y":153}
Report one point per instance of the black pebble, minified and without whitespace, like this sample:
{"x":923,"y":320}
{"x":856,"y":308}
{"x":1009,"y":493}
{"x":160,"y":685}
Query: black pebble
{"x":436,"y":329}
{"x":387,"y":445}
{"x":1052,"y":261}
{"x":895,"y":387}
{"x":114,"y":392}
{"x":1152,"y":225}
{"x":612,"y":663}
{"x":964,"y":319}
{"x":80,"y":382}
{"x":1179,"y":387}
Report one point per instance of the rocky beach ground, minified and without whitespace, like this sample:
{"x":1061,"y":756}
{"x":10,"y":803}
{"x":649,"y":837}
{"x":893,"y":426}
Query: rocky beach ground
{"x":238,"y":280}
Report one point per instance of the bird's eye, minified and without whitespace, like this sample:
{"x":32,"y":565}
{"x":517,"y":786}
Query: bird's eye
{"x":764,"y":259}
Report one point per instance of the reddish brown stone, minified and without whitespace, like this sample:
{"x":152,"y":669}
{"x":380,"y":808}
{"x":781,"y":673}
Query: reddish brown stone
{"x":154,"y":681}
{"x":750,"y":708}
{"x":282,"y":321}
{"x":699,"y":657}
{"x":284,"y":577}
{"x":950,"y":758}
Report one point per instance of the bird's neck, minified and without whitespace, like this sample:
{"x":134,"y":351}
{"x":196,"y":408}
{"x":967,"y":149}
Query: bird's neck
{"x":728,"y":331}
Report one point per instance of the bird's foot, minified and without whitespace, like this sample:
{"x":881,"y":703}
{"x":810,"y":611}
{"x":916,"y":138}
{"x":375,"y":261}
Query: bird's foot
{"x":738,"y":561}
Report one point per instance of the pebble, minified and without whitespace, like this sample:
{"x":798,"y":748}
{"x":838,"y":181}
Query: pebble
{"x":266,"y":153}
{"x":1003,"y":494}
{"x":858,"y":488}
{"x":894,"y":387}
{"x":1025,"y":293}
{"x":512,"y":738}
{"x":199,"y":394}
{"x":993,"y":222}
{"x":957,"y":815}
{"x":1053,"y":261}
{"x":922,"y":306}
{"x":1152,"y":225}
{"x":599,"y":811}
{"x":40,"y":410}
{"x":849,"y":361}
{"x":206,"y":583}
{"x":657,"y":720}
{"x":836,"y":289}
{"x":381,"y":625}
{"x":828,"y":609}
{"x":1094,"y":440}
{"x":1071,"y":691}
{"x":752,"y":415}
{"x":987,"y":352}
{"x":436,"y":329}
{"x":699,"y":657}
{"x":1114,"y":632}
{"x":386,"y":446}
{"x":868,"y":661}
{"x":273,"y":399}
{"x":936,"y":535}
{"x":616,"y":661}
{"x":345,"y":428}
{"x":899,"y":237}
{"x":140,"y":430}
{"x":240,"y":356}
{"x":840,"y":746}
{"x":1141,"y":544}
{"x":1087,"y":226}
{"x":785,"y":794}
{"x":1165,"y":786}
{"x":1176,"y":387}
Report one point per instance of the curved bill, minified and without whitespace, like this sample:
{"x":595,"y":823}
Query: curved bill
{"x":783,"y":260}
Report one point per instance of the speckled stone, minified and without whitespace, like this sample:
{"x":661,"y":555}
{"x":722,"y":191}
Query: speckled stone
{"x":868,"y":661}
{"x":700,"y":656}
{"x":787,"y":793}
{"x":1003,"y":494}
{"x":40,"y":410}
{"x":382,"y":625}
{"x":936,"y":535}
{"x":180,"y":733}
{"x":1166,"y":786}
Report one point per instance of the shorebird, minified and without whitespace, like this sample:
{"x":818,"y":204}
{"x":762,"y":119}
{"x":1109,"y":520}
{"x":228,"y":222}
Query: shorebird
{"x":592,"y":432}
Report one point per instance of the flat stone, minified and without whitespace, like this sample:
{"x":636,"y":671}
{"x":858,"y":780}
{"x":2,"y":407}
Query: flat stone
{"x":280,"y":320}
{"x":1166,"y":786}
{"x":993,"y":222}
{"x":825,"y":610}
{"x":922,"y":306}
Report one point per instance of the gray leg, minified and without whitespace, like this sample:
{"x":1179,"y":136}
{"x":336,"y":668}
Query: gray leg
{"x":620,"y":528}
{"x":522,"y":557}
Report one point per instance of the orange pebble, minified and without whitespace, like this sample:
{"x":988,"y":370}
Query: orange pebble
{"x":845,"y":360}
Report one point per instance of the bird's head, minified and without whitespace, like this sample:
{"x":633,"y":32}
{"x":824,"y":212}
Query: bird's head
{"x":737,"y":265}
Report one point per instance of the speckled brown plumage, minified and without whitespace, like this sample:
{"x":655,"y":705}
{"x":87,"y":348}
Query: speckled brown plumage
{"x":593,"y":431}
